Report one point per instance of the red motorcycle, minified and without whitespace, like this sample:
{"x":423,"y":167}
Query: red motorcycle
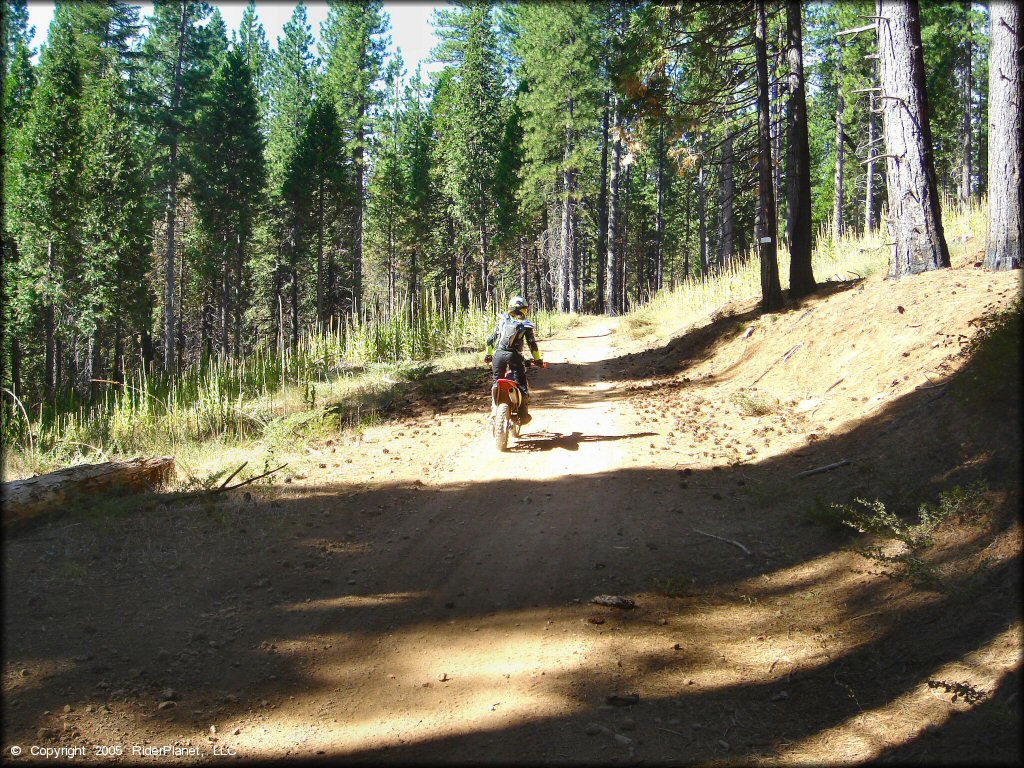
{"x":506,"y":399}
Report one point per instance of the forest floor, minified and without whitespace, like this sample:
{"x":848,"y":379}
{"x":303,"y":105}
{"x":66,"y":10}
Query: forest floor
{"x":413,"y":595}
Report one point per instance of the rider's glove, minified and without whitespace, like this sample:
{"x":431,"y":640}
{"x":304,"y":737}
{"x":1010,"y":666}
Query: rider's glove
{"x":488,"y":358}
{"x":539,"y":362}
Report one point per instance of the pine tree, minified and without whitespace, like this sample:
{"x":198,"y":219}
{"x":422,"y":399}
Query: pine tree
{"x":292,"y":75}
{"x":353,"y":45}
{"x":252,"y":40}
{"x":106,"y":33}
{"x":46,"y":194}
{"x":388,"y":209}
{"x":116,"y":226}
{"x":473,"y":132}
{"x":318,"y":183}
{"x":415,"y":139}
{"x":19,"y":82}
{"x":177,"y":67}
{"x":228,"y":181}
{"x":561,"y":107}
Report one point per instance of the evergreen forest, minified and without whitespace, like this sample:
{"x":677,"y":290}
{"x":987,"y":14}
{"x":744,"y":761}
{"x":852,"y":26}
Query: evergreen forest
{"x":186,"y":210}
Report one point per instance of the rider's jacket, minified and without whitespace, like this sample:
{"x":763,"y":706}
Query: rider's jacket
{"x":509,"y":335}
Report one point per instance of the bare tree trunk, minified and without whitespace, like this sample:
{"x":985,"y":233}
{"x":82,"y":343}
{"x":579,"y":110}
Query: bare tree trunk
{"x":485,"y":277}
{"x":357,"y":235}
{"x":239,"y":265}
{"x":798,"y":178}
{"x":869,"y":177}
{"x":915,"y":221}
{"x":726,"y":194}
{"x":172,"y":198}
{"x":16,"y":366}
{"x":537,"y":282}
{"x":771,"y":289}
{"x":524,"y":281}
{"x":659,"y":226}
{"x":1006,"y":93}
{"x":968,"y":96}
{"x":702,"y":227}
{"x":225,"y":311}
{"x":564,"y":266}
{"x":49,"y":330}
{"x":602,"y":219}
{"x":623,"y":248}
{"x":180,"y":321}
{"x":838,"y":226}
{"x":612,"y":288}
{"x":117,"y":368}
{"x":320,"y":315}
{"x":295,"y":297}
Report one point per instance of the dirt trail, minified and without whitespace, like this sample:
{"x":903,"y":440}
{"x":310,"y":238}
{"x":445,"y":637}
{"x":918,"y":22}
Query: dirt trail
{"x":416,"y":596}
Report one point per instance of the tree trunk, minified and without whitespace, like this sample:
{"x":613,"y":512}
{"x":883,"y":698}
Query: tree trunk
{"x":869,"y":177}
{"x":775,"y":94}
{"x":117,"y":368}
{"x":624,"y":237}
{"x":612,"y":287}
{"x":524,"y":275}
{"x":172,"y":197}
{"x":1006,"y":89}
{"x":798,"y":178}
{"x":295,"y":299}
{"x":537,"y":281}
{"x":16,"y":366}
{"x":464,"y":281}
{"x":726,"y":194}
{"x":566,"y":283}
{"x":485,"y":277}
{"x":225,"y":306}
{"x":965,"y":136}
{"x":49,"y":329}
{"x":837,"y":211}
{"x":320,"y":316}
{"x":239,"y":265}
{"x":180,"y":320}
{"x":69,"y":487}
{"x":602,"y":218}
{"x":702,"y":212}
{"x":659,"y":225}
{"x":771,"y":290}
{"x":357,"y":235}
{"x":915,"y":222}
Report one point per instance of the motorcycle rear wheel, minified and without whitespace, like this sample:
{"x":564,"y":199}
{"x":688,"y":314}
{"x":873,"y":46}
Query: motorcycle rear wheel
{"x":501,"y":427}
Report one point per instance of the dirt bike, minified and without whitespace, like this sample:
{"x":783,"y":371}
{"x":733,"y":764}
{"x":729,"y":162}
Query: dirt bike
{"x":506,"y":399}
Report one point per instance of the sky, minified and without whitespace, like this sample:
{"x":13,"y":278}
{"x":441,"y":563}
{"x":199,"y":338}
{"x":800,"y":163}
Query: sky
{"x":410,"y":23}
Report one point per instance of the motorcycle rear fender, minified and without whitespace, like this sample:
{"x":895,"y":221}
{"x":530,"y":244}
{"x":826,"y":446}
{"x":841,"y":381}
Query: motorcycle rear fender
{"x":506,"y":391}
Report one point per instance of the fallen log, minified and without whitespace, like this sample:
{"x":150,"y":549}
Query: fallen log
{"x":55,"y":491}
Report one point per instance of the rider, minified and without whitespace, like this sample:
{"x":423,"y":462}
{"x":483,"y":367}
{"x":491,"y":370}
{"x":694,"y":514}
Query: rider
{"x":511,"y":331}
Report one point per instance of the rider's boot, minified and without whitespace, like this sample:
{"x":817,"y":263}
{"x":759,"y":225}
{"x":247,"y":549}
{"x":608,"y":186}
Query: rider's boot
{"x":524,"y":411}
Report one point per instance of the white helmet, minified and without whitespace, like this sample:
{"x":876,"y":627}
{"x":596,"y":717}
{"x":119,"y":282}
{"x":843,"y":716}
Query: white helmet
{"x":517,"y":306}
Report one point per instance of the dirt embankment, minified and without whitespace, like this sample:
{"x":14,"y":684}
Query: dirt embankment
{"x":414,"y":595}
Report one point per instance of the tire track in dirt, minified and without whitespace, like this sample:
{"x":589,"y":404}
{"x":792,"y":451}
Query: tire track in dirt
{"x":484,"y":569}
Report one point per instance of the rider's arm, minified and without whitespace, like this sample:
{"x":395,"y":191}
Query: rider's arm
{"x":490,"y":341}
{"x":532,"y":341}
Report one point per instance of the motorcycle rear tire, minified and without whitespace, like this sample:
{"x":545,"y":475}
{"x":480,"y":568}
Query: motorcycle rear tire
{"x":501,"y":427}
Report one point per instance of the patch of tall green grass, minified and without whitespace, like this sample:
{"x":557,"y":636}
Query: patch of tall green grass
{"x":227,"y":401}
{"x":223,"y":403}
